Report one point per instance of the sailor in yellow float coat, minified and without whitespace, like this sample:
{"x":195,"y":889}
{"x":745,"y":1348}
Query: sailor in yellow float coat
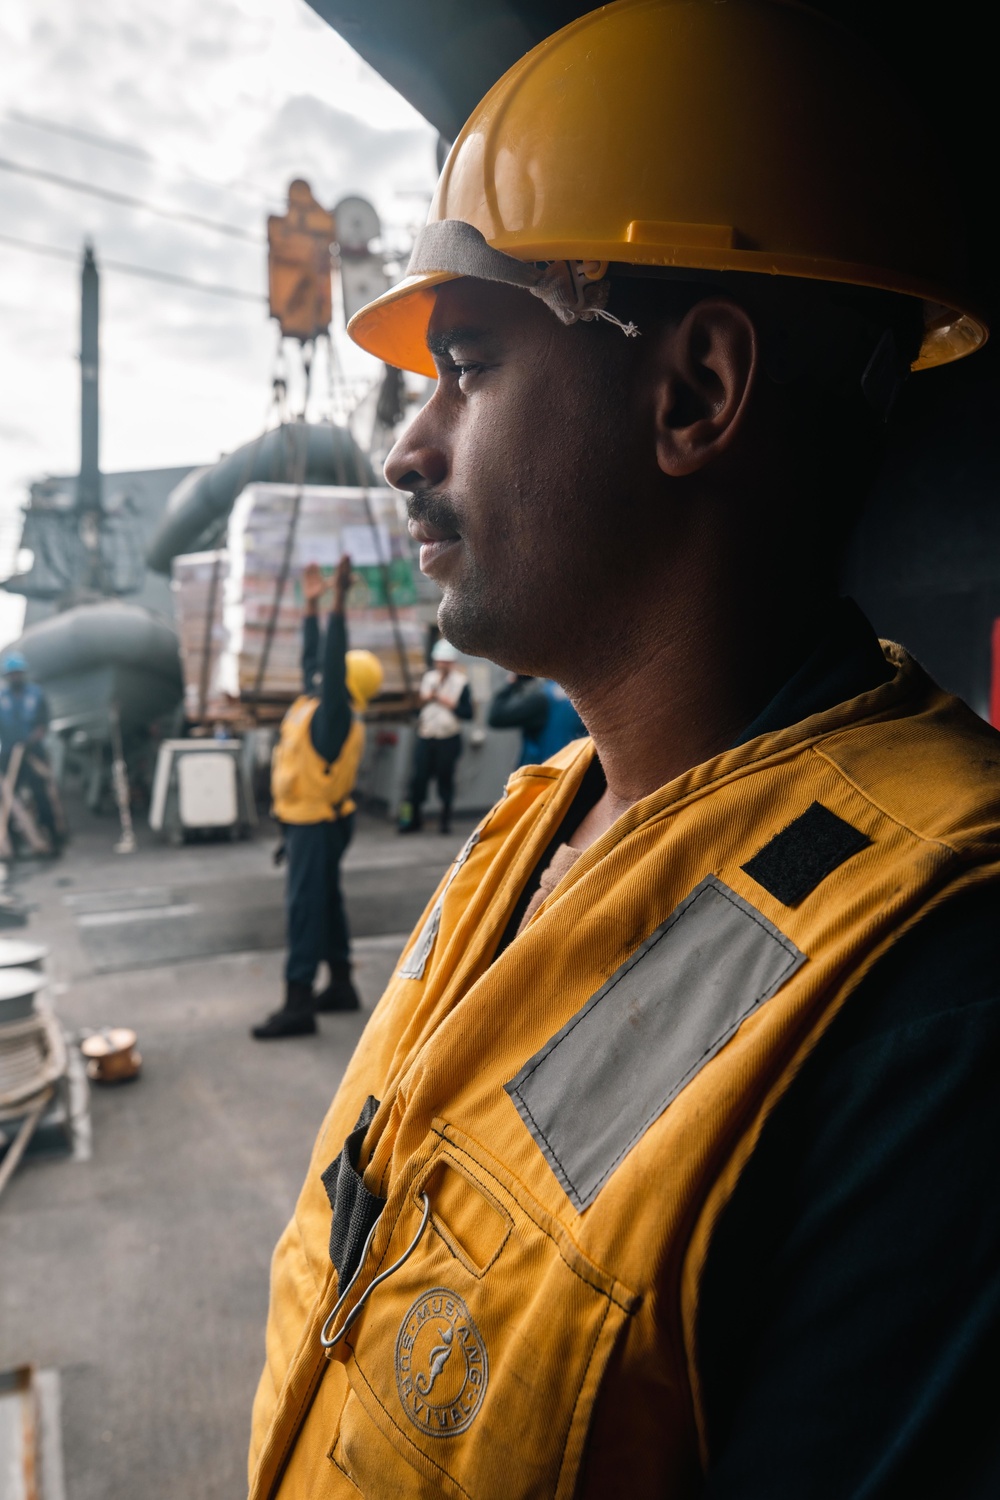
{"x":306,"y":788}
{"x":561,"y":1278}
{"x":493,"y":1284}
{"x":314,"y":769}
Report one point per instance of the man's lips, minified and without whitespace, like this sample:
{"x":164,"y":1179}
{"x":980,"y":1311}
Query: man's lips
{"x":424,"y":532}
{"x":434,"y":541}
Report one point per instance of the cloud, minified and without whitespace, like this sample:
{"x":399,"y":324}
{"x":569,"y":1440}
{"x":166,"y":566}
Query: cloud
{"x":16,"y":432}
{"x":342,"y":153}
{"x":240,"y":94}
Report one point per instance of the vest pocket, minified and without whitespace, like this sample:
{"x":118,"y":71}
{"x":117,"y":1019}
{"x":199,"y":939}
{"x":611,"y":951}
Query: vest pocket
{"x":476,"y":1365}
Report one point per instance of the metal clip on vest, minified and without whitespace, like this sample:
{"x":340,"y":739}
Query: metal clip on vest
{"x":328,"y":1341}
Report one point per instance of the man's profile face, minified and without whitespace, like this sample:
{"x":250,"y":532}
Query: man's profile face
{"x":522,"y":471}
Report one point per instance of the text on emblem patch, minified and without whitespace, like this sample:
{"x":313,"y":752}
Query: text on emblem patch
{"x":441,"y":1364}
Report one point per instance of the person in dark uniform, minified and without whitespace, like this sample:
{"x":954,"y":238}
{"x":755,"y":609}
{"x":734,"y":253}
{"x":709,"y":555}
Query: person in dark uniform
{"x":312,"y":779}
{"x":543,"y":713}
{"x":24,"y":720}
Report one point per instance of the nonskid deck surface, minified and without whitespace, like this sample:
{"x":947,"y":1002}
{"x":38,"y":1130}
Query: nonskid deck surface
{"x":165,"y":904}
{"x":140,"y":1276}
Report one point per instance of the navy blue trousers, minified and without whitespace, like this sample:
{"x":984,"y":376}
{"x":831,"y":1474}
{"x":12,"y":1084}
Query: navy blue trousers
{"x":314,"y":903}
{"x":434,"y":760}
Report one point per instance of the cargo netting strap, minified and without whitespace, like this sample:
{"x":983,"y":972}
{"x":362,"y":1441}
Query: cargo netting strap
{"x":286,"y":561}
{"x":384,"y":569}
{"x":383,"y":563}
{"x":206,"y":645}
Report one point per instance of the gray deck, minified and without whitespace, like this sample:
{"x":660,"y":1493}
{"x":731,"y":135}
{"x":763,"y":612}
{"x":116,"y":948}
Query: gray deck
{"x":141,"y":1274}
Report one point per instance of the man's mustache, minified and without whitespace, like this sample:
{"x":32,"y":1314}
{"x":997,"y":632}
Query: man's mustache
{"x":437,"y":510}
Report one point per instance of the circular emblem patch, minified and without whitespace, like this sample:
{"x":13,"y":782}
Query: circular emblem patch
{"x":441,"y":1364}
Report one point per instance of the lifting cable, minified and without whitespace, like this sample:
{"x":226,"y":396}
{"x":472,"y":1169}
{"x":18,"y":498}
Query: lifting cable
{"x":384,"y":569}
{"x":275,"y":403}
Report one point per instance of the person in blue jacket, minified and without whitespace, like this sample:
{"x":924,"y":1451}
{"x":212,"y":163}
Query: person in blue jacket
{"x":24,"y":720}
{"x":543,"y":713}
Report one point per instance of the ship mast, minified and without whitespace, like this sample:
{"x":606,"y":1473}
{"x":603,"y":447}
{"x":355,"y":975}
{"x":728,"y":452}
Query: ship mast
{"x":88,"y":489}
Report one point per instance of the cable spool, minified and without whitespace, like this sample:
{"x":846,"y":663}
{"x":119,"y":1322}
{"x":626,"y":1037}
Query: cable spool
{"x":112,"y":1055}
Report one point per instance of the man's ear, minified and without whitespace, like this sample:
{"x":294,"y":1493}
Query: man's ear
{"x":704,"y":372}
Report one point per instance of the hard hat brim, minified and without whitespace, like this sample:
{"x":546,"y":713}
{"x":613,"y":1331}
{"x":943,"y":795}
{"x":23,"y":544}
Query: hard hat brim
{"x":394,"y":326}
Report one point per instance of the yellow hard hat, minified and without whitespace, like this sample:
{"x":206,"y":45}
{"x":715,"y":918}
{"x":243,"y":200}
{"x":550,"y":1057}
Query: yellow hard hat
{"x":750,"y":136}
{"x":364,"y":676}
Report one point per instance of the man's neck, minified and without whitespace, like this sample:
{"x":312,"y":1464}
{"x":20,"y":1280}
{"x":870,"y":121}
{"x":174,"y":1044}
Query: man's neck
{"x":694,"y":684}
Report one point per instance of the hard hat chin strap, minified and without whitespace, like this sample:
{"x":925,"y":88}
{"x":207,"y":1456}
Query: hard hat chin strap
{"x":575,"y":290}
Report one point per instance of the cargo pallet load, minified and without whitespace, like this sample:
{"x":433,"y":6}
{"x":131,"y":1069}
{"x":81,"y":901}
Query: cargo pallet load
{"x":239,"y":617}
{"x":239,"y":609}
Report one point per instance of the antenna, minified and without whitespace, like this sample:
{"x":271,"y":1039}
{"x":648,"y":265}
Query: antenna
{"x":88,"y":495}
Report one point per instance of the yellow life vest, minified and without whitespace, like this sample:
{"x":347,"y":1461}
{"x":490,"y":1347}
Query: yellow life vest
{"x":304,"y":788}
{"x":575,"y":1114}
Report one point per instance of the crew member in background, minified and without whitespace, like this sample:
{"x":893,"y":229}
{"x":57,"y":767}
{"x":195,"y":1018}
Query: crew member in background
{"x":446,"y":700}
{"x":24,"y":720}
{"x":543,"y":713}
{"x":315,"y":767}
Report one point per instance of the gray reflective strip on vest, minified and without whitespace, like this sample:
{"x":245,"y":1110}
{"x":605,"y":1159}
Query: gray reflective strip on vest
{"x":595,"y":1088}
{"x":415,"y":962}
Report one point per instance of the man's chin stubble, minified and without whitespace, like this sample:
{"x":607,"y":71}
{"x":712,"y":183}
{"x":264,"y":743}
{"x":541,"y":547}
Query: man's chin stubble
{"x":480,"y":626}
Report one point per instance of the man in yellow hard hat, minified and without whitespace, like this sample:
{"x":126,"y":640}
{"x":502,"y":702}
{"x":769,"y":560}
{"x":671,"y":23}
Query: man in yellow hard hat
{"x":312,"y":780}
{"x":677,"y":1181}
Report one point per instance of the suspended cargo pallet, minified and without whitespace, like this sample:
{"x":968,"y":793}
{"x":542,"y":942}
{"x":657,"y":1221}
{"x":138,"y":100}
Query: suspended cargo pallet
{"x":240,"y":609}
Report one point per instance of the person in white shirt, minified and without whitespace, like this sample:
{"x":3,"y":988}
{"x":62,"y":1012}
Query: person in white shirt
{"x":445,"y":701}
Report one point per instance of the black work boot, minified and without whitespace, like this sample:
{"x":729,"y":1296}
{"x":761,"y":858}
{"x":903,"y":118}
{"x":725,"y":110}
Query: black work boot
{"x":340,"y":993}
{"x":295,"y":1018}
{"x":409,"y":819}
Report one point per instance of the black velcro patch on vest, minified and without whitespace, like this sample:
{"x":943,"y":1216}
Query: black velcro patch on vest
{"x":355,"y":1209}
{"x":797,"y":859}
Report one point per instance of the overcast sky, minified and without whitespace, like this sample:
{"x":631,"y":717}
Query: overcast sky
{"x":243,"y":94}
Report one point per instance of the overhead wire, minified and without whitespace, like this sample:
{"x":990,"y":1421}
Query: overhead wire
{"x":125,"y":148}
{"x":128,"y":200}
{"x":138,"y":153}
{"x":150,"y":273}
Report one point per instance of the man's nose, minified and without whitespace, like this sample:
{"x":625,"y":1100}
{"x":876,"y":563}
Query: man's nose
{"x":416,"y":461}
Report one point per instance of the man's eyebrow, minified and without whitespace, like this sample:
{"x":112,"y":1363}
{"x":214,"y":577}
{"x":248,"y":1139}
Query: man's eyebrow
{"x":442,"y":344}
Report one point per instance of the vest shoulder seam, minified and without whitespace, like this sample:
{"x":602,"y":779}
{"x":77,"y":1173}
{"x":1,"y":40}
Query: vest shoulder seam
{"x":953,"y":848}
